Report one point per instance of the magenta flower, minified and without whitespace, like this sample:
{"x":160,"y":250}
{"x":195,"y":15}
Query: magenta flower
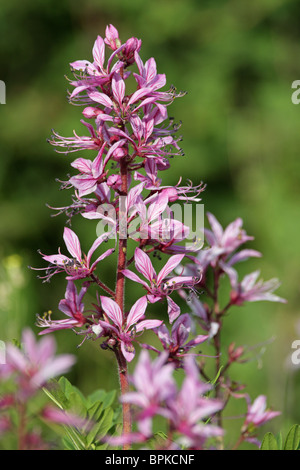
{"x":223,"y":244}
{"x":154,"y":385}
{"x":228,"y":240}
{"x":257,"y":414}
{"x":124,"y":331}
{"x":175,"y":343}
{"x":75,"y":143}
{"x":189,"y":407}
{"x":35,"y":364}
{"x":90,"y":175}
{"x":79,"y":266}
{"x":248,"y":290}
{"x":72,"y":306}
{"x":159,"y":285}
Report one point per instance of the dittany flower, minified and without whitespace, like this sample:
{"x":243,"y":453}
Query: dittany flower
{"x":189,"y":407}
{"x":175,"y":344}
{"x":124,"y":330}
{"x":160,"y":285}
{"x":250,"y":289}
{"x":79,"y":266}
{"x":72,"y":306}
{"x":36,"y":363}
{"x":257,"y":415}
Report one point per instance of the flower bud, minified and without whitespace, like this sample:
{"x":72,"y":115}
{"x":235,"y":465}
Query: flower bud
{"x":89,"y":112}
{"x":112,"y":37}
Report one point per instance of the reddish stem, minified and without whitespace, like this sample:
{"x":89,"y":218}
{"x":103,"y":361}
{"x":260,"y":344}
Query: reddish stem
{"x":119,"y":298}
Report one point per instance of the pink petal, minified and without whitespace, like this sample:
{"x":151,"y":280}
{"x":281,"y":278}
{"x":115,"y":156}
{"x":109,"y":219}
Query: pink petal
{"x":101,"y":98}
{"x":216,"y":227}
{"x":131,"y":275}
{"x":82,"y":164}
{"x":99,"y":52}
{"x":170,"y":265}
{"x":173,"y":309}
{"x":137,"y":311}
{"x":72,"y":243}
{"x":143,"y":264}
{"x":157,"y":207}
{"x":113,"y":311}
{"x":128,"y":351}
{"x":138,"y":95}
{"x":148,"y":325}
{"x":95,"y":245}
{"x":60,"y":260}
{"x":118,"y":88}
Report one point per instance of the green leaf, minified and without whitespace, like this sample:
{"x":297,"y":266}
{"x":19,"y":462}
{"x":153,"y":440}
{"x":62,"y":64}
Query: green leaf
{"x":269,"y":442}
{"x":279,"y":440}
{"x":109,"y":399}
{"x":55,"y":393}
{"x":293,"y":438}
{"x":105,"y":423}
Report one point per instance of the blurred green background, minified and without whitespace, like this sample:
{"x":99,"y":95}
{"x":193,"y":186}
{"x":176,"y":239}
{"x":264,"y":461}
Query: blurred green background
{"x":237,"y":61}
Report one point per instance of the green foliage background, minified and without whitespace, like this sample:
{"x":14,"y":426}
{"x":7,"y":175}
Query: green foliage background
{"x":237,"y":60}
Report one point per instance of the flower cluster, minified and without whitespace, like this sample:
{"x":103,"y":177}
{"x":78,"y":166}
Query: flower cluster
{"x":157,"y":394}
{"x":131,"y":139}
{"x":30,"y":368}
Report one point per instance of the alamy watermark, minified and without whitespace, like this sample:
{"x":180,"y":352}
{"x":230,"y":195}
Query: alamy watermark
{"x":295,"y":357}
{"x":296,"y":94}
{"x":176,"y":222}
{"x":2,"y":92}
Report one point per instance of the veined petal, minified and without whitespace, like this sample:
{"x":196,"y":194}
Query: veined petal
{"x":72,"y":243}
{"x":82,"y":164}
{"x":118,"y":88}
{"x":173,"y":309}
{"x":157,"y":207}
{"x":148,"y":325}
{"x":181,"y":329}
{"x":113,"y":311}
{"x":216,"y":227}
{"x":150,"y":69}
{"x":95,"y":245}
{"x":137,"y":311}
{"x":99,"y":52}
{"x":243,"y":255}
{"x":170,"y":265}
{"x":143,"y":264}
{"x":102,"y":257}
{"x":131,"y":275}
{"x":137,"y":95}
{"x":101,"y":98}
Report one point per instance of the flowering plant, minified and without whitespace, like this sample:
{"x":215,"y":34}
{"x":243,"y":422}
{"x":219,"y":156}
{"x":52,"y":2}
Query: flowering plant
{"x":128,"y":129}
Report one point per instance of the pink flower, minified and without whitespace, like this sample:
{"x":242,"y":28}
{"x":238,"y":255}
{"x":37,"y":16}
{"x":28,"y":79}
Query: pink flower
{"x":257,"y":414}
{"x":248,"y":290}
{"x":160,"y":285}
{"x":124,"y":331}
{"x":36,"y":363}
{"x":72,"y":306}
{"x":154,"y":385}
{"x":189,"y":407}
{"x":175,"y":343}
{"x":73,"y":144}
{"x":79,"y":266}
